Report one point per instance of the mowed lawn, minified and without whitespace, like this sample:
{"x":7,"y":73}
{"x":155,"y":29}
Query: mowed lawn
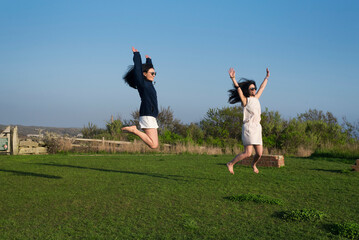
{"x":168,"y":197}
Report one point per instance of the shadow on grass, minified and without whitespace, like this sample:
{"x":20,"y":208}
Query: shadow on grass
{"x":344,"y":156}
{"x":257,"y":198}
{"x":330,"y":159}
{"x":333,"y":171}
{"x":31,"y":174}
{"x":278,"y":214}
{"x":157,"y":175}
{"x":329,"y":227}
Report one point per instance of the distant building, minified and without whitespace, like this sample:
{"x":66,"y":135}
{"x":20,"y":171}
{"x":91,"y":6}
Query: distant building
{"x":80,"y":135}
{"x":35,"y":135}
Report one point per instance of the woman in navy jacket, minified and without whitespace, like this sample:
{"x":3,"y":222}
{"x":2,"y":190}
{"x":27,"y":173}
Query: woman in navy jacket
{"x":141,"y":77}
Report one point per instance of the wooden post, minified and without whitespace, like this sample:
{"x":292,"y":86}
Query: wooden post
{"x":15,"y":141}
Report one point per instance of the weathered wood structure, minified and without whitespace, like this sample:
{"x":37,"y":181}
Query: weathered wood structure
{"x":5,"y":141}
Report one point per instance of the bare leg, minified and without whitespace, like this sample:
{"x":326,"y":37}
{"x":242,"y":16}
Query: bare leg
{"x":150,"y":136}
{"x":259,"y":151}
{"x":247,"y":153}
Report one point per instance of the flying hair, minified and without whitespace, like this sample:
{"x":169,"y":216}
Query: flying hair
{"x":130,"y":77}
{"x":244,"y":84}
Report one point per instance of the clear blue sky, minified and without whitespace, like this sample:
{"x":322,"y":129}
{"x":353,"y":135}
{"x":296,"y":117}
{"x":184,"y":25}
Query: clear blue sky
{"x":61,"y":62}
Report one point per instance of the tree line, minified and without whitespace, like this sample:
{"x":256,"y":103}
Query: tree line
{"x":222,"y":127}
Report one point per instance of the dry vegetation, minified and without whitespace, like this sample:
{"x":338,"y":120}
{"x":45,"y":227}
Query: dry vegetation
{"x":57,"y":144}
{"x":61,"y":144}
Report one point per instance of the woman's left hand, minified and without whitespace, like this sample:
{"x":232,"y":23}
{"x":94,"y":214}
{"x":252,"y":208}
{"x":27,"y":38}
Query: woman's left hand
{"x":268,"y":74}
{"x":134,"y":50}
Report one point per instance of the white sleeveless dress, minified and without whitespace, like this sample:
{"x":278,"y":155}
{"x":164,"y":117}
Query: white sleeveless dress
{"x":252,"y":129}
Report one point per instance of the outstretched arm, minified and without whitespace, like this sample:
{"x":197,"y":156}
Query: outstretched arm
{"x":263,"y":85}
{"x":232,"y":75}
{"x":137,"y":66}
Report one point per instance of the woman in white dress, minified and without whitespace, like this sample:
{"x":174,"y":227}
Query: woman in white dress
{"x":245,"y":92}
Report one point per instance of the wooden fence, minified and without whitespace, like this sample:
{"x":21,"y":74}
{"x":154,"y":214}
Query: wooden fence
{"x":101,"y":141}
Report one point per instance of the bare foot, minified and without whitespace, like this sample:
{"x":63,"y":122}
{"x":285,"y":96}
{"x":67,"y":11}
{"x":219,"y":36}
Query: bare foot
{"x":131,"y":129}
{"x":255,"y":169}
{"x":230,"y":167}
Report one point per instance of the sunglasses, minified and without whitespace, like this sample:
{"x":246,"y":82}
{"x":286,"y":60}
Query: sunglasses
{"x":253,"y":88}
{"x":153,"y":73}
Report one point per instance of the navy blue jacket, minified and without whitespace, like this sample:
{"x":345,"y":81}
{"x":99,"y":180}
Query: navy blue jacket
{"x":149,"y":105}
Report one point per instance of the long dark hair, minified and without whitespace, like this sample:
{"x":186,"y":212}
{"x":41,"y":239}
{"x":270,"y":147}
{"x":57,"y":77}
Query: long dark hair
{"x":244,"y":84}
{"x":129,"y":76}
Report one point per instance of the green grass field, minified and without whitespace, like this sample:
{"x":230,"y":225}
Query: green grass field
{"x":169,"y":197}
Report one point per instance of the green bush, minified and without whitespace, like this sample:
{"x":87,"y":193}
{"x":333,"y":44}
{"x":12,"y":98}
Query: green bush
{"x":293,"y":136}
{"x":169,"y":137}
{"x":303,"y":215}
{"x":91,"y":130}
{"x":272,"y":128}
{"x":223,"y":123}
{"x":194,"y":134}
{"x":113,"y":129}
{"x":348,"y":230}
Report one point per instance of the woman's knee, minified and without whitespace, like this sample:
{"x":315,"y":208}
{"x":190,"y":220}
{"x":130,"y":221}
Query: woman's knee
{"x":154,"y":145}
{"x":247,"y":154}
{"x":259,"y":153}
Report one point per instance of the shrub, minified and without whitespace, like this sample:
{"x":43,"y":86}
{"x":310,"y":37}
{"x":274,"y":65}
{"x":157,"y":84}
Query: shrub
{"x":56,"y":143}
{"x":194,"y":133}
{"x":91,"y":130}
{"x":348,"y":230}
{"x":169,"y":137}
{"x":302,"y":215}
{"x":113,"y":129}
{"x":272,"y":125}
{"x":223,"y":123}
{"x":293,"y":136}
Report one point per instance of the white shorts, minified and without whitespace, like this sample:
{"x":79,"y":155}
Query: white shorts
{"x":148,"y":122}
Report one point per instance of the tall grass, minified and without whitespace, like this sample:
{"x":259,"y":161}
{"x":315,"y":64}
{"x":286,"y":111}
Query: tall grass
{"x":347,"y":151}
{"x":58,"y":145}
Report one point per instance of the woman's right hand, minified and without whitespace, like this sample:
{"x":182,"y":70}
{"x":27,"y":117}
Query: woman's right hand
{"x":134,"y":49}
{"x":232,"y":73}
{"x":268,"y":74}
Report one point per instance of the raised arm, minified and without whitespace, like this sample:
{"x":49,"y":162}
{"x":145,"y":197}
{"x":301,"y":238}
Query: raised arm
{"x":137,"y":66}
{"x":148,"y":60}
{"x":263,"y":85}
{"x":232,"y":75}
